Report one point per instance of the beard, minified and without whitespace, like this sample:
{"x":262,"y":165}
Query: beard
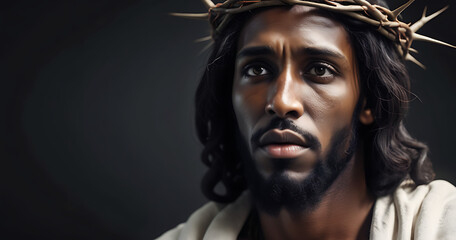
{"x":279,"y":191}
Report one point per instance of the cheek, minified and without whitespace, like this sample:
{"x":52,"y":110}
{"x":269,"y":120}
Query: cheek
{"x":249,"y":104}
{"x":334,"y":108}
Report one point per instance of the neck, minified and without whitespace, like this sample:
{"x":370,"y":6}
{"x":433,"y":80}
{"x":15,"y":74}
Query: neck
{"x":343,"y":213}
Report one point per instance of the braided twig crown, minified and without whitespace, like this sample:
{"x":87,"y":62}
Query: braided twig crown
{"x":385,"y":20}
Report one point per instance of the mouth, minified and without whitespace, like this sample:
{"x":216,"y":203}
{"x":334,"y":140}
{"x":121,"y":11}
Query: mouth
{"x":283,"y":143}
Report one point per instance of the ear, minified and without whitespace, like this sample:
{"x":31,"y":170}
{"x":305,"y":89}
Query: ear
{"x":366,"y":117}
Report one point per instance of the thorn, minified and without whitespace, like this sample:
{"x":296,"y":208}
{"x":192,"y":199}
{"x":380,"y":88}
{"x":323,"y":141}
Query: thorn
{"x":420,"y":23}
{"x":227,"y":3}
{"x":412,"y":59}
{"x":209,"y":4}
{"x":203,"y":39}
{"x":400,"y":9}
{"x":424,"y":12}
{"x":201,"y":16}
{"x":419,"y":37}
{"x":413,"y":50}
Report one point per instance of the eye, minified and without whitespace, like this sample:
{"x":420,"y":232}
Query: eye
{"x":256,"y":70}
{"x":321,"y":70}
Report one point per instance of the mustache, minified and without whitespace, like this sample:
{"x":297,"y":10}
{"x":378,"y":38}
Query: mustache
{"x":282,"y":124}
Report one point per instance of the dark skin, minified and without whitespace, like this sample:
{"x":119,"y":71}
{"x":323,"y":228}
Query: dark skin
{"x":299,"y":65}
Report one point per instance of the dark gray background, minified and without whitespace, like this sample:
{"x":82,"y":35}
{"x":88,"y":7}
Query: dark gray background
{"x":97,"y":135}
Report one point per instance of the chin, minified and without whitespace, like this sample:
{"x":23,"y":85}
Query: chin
{"x":298,"y":167}
{"x":290,"y":190}
{"x":296,"y":175}
{"x":297,"y":184}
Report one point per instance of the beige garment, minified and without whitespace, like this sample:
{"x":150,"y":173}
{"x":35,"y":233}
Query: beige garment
{"x":426,"y":212}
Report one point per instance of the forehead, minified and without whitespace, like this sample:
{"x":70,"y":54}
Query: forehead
{"x":296,"y":27}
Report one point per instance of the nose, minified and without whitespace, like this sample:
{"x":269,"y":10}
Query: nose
{"x":285,"y":100}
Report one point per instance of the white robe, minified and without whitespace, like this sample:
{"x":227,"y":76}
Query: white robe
{"x":426,"y":212}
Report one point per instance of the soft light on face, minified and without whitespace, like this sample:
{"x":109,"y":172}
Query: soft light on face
{"x":294,"y":90}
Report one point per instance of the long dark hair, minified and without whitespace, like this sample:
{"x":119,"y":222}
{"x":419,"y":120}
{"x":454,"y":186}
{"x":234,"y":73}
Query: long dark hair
{"x":392,"y":155}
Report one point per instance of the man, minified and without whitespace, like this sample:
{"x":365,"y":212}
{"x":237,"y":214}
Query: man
{"x":300,"y":112}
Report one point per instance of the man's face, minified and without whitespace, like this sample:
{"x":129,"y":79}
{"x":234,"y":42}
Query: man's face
{"x":294,"y":95}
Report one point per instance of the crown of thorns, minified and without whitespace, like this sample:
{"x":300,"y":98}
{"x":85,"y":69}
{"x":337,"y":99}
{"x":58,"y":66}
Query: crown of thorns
{"x":385,"y":20}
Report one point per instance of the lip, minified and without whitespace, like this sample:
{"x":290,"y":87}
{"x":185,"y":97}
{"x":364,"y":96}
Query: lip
{"x":282,"y":137}
{"x":283,"y":143}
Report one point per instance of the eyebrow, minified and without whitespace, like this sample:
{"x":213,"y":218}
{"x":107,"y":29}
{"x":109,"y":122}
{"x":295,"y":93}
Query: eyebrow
{"x":312,"y":51}
{"x":256,"y":51}
{"x":309,"y":51}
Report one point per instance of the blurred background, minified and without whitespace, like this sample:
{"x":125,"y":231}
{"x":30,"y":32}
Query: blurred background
{"x":97,"y":134}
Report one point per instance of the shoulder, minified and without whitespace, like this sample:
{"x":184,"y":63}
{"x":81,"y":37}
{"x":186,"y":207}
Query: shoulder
{"x":436,"y":218}
{"x":438,"y":191}
{"x":196,"y":223}
{"x":437,"y":188}
{"x":432,"y":200}
{"x":212,"y":219}
{"x":425,"y":212}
